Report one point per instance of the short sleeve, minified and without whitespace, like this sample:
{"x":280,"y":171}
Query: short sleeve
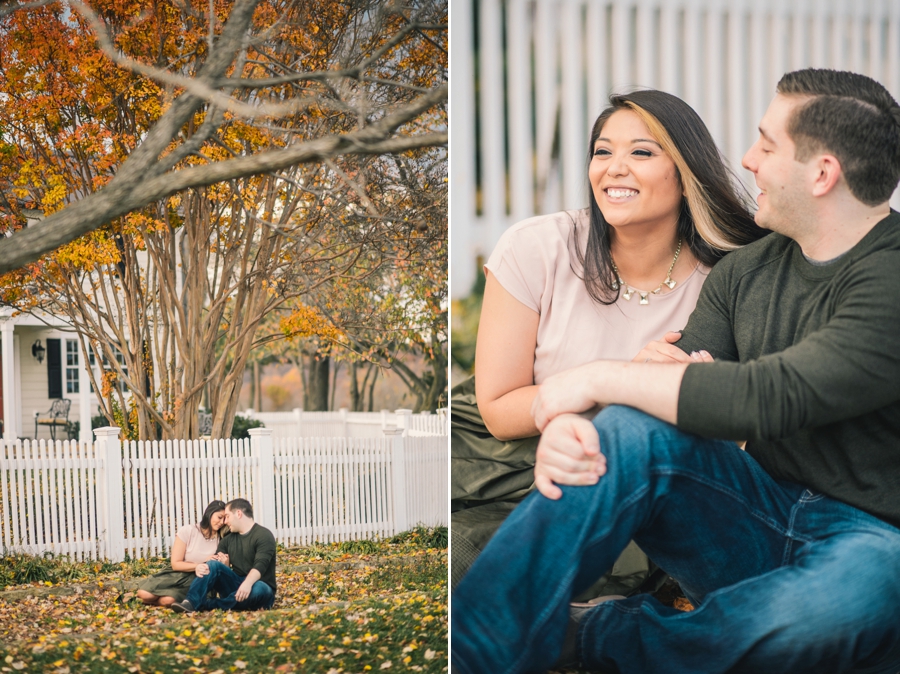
{"x":185,"y":534}
{"x":519,"y":263}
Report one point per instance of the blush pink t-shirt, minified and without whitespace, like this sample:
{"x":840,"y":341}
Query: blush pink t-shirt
{"x":535,"y":262}
{"x":198,"y":549}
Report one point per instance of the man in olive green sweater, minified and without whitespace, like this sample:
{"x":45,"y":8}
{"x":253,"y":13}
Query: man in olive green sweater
{"x":790,"y":550}
{"x":243,"y":574}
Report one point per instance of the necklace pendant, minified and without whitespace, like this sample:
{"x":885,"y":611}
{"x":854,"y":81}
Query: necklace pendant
{"x":670,"y":283}
{"x":628,"y":292}
{"x":644,"y":298}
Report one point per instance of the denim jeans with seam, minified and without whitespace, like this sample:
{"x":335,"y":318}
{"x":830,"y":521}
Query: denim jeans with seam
{"x":783,"y":579}
{"x":226,"y":582}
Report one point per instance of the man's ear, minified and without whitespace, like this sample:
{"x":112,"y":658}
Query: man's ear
{"x":828,"y":172}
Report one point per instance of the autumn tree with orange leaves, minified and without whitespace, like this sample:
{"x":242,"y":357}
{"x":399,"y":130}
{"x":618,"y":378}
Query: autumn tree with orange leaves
{"x":222,"y":166}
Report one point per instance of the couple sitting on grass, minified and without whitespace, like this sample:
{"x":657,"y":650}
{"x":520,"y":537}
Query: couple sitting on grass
{"x":215,"y":570}
{"x":789,"y":550}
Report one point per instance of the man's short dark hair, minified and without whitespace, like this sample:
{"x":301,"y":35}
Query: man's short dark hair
{"x":852,"y":117}
{"x":243,"y":505}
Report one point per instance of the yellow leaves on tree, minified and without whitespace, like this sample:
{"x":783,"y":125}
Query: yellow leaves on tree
{"x":306,"y":321}
{"x":96,"y":249}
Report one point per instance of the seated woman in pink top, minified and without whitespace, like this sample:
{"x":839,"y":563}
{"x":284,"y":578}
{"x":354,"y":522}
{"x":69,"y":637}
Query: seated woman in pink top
{"x":194,"y":544}
{"x":600,"y":283}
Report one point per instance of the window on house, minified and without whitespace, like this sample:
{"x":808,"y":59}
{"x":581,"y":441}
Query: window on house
{"x":72,"y":366}
{"x":119,"y":358}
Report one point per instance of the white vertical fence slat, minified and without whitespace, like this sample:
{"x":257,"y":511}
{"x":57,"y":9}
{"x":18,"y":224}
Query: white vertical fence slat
{"x":521,"y":186}
{"x":596,"y":67}
{"x":462,"y":119}
{"x":41,"y":492}
{"x":7,"y":495}
{"x":78,"y":495}
{"x":571,"y":123}
{"x":170,"y":502}
{"x":545,"y":110}
{"x":90,"y":481}
{"x":668,"y":49}
{"x":69,"y":497}
{"x":158,"y":495}
{"x":562,"y":58}
{"x":645,"y":56}
{"x":28,"y":523}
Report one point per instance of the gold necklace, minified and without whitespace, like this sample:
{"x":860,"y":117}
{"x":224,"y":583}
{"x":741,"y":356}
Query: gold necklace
{"x":645,"y":296}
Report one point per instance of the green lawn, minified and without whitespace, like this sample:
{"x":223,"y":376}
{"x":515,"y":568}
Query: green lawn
{"x":349,"y":607}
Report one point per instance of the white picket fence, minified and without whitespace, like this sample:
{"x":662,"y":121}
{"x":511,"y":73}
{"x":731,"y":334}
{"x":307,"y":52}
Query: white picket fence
{"x":536,"y":74}
{"x":343,"y":423}
{"x":60,"y":497}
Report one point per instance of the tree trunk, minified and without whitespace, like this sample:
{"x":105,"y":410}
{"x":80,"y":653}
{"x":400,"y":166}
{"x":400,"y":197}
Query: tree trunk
{"x":372,"y":388}
{"x":355,"y":399}
{"x":437,"y":392}
{"x":334,"y":377}
{"x":319,"y":369}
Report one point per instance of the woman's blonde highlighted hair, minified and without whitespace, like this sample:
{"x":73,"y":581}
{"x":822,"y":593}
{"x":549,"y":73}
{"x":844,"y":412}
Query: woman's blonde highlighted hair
{"x":714,"y":218}
{"x":698,"y":201}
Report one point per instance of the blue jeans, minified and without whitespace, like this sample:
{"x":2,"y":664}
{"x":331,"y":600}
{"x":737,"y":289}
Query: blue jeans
{"x":226,"y":582}
{"x":783,"y":579}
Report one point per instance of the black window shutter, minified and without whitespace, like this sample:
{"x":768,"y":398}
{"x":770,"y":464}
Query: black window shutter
{"x":54,"y":369}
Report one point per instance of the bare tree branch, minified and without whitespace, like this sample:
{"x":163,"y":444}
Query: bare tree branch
{"x":7,"y":9}
{"x":139,"y":181}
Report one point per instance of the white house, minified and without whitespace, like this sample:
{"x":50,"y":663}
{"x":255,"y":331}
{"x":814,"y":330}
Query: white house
{"x":41,"y":360}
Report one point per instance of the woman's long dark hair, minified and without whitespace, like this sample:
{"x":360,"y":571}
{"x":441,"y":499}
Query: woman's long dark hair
{"x":206,"y":522}
{"x":714,"y":214}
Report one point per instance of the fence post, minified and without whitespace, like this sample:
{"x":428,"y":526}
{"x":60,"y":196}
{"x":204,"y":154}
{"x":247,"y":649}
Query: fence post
{"x":262,"y":448}
{"x":109,"y":450}
{"x":344,"y":433}
{"x":398,"y":477}
{"x":404,"y":420}
{"x":298,"y":417}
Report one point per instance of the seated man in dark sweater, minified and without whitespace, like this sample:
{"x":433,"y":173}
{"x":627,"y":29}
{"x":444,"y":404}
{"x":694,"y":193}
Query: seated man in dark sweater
{"x":790,"y":550}
{"x":244,"y":574}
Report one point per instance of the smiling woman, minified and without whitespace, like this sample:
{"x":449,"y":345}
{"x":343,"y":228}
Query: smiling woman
{"x":600,"y":283}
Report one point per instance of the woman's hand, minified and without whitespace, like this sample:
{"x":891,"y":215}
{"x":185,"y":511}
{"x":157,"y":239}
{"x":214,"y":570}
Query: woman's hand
{"x":568,"y":454}
{"x":566,"y":392}
{"x":662,"y":351}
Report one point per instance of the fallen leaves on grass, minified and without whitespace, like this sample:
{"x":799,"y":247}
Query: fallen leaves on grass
{"x":390,"y":614}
